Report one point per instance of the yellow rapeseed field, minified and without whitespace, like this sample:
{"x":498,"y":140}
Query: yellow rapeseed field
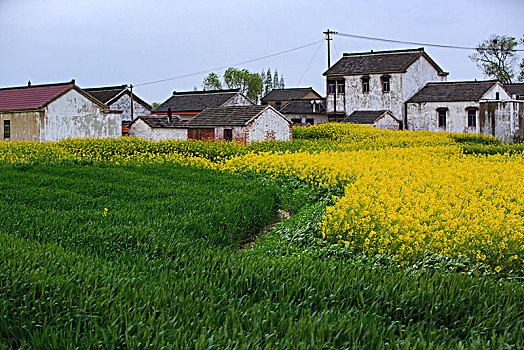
{"x":405,"y":192}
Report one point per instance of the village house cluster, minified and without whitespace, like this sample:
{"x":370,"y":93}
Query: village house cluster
{"x":398,"y":89}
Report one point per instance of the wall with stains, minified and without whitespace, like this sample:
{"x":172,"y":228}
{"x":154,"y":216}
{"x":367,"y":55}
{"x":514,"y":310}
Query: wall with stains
{"x":141,"y":130}
{"x":124,"y":104}
{"x":317,"y":118}
{"x":387,"y":121}
{"x":25,"y":125}
{"x":269,"y":125}
{"x":424,"y":116}
{"x":238,"y":100}
{"x":418,"y":74}
{"x":74,"y":115}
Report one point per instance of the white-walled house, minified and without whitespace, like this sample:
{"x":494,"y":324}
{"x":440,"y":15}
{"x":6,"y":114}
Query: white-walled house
{"x":377,"y":119}
{"x":378,"y":81}
{"x":305,"y":111}
{"x":468,"y":106}
{"x":158,"y":128}
{"x":52,"y":112}
{"x":240,"y":123}
{"x":187,"y":104}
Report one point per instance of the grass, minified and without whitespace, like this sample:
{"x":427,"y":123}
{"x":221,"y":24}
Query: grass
{"x":160,"y":268}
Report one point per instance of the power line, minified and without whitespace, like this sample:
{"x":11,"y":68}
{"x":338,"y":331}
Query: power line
{"x":309,"y":64}
{"x":230,"y":65}
{"x":410,"y":42}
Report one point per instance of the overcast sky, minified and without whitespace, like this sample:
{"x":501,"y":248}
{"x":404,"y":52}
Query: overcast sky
{"x":106,"y":42}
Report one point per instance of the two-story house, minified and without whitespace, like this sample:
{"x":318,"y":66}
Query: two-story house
{"x":378,"y":81}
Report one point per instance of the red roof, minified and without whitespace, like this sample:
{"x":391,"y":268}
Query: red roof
{"x":30,"y":97}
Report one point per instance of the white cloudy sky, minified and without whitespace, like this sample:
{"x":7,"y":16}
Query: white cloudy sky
{"x":106,"y":42}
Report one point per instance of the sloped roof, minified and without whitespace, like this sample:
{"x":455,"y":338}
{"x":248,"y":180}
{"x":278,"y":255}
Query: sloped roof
{"x":288,"y":94}
{"x":395,"y":61}
{"x":515,"y":89}
{"x":32,"y":96}
{"x":226,"y":116}
{"x":195,"y":101}
{"x":105,"y":94}
{"x":453,"y":91}
{"x":157,"y":122}
{"x":304,"y":106}
{"x":363,"y":117}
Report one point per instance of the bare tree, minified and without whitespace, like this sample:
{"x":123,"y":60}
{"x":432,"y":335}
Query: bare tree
{"x":497,"y":57}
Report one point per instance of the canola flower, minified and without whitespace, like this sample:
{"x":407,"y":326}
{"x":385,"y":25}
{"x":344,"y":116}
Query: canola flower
{"x":405,"y":192}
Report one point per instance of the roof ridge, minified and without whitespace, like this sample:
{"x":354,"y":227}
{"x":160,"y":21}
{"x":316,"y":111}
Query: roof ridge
{"x":106,"y":87}
{"x":346,"y":54}
{"x":177,"y":93}
{"x":72,"y":82}
{"x":462,"y":82}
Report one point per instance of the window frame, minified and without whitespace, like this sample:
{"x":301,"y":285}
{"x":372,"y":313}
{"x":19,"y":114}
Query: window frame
{"x":472,"y":119}
{"x":332,"y":86}
{"x":442,"y":115}
{"x":341,"y":86}
{"x":386,"y":82}
{"x":230,"y":136}
{"x":366,"y":86}
{"x":7,"y":129}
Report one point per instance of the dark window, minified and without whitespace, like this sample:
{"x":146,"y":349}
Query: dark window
{"x":331,"y":86}
{"x":472,"y":117}
{"x":310,"y":121}
{"x":441,"y":117}
{"x":228,"y":134}
{"x":365,"y":84}
{"x":7,"y":129}
{"x":385,"y":83}
{"x":497,"y":96}
{"x":341,"y":88}
{"x":279,"y":105}
{"x":296,"y":120}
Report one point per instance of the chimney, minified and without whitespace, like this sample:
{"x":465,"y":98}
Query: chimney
{"x":73,"y":81}
{"x":169,"y":115}
{"x":29,"y":83}
{"x":174,"y":92}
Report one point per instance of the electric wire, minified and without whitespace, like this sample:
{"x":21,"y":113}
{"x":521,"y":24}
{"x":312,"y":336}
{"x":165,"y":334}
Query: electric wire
{"x":231,"y":65}
{"x":309,"y":64}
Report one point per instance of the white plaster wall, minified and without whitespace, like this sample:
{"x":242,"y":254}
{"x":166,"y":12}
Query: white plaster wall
{"x":387,"y":122}
{"x":124,"y":104}
{"x":424,"y":116}
{"x":74,"y":116}
{"x":491,"y":94}
{"x":318,"y":118}
{"x":270,"y":125}
{"x":238,"y":100}
{"x":141,"y":130}
{"x":417,"y":75}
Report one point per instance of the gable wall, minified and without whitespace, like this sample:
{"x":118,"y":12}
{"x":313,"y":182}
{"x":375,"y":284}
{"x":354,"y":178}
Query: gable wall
{"x":492,"y":93}
{"x":25,"y":126}
{"x":73,"y":115}
{"x":238,"y":100}
{"x":124,"y":104}
{"x":268,"y":126}
{"x":387,"y":122}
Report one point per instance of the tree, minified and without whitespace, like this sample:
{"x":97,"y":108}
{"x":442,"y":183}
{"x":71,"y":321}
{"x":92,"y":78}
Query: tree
{"x":212,"y":82}
{"x":282,"y":83}
{"x":276,"y":83}
{"x":268,"y":83}
{"x":249,"y":83}
{"x":496,"y":57}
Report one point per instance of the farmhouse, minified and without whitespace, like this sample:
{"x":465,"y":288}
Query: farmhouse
{"x":52,"y":112}
{"x":240,"y":123}
{"x":378,"y":119}
{"x":468,"y":106}
{"x":159,"y":127}
{"x":185,"y":105}
{"x":118,"y":98}
{"x":305,"y":111}
{"x":277,"y":98}
{"x":515,"y":90}
{"x":378,"y":81}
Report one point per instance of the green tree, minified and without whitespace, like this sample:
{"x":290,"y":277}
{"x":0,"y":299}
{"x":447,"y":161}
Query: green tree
{"x":276,"y":83}
{"x":282,"y":84}
{"x":496,"y":57}
{"x":250,"y":84}
{"x":268,"y":83}
{"x":212,"y":82}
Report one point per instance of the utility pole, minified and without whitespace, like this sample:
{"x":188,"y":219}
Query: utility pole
{"x":328,"y":34}
{"x":132,"y":112}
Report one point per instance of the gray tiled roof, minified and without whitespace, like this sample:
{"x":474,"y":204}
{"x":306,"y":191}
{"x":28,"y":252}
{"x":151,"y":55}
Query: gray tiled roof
{"x":303,"y":106}
{"x":453,"y":91}
{"x":157,"y":122}
{"x":226,"y":116}
{"x":363,"y":117}
{"x":515,"y":89}
{"x":396,"y":61}
{"x":287,"y":94}
{"x":105,"y":94}
{"x":196,"y":101}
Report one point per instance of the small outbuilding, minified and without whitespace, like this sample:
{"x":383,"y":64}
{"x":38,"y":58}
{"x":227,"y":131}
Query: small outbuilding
{"x":157,"y":128}
{"x":378,"y":119}
{"x":240,"y":123}
{"x":278,"y":98}
{"x":53,"y":112}
{"x":305,"y":111}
